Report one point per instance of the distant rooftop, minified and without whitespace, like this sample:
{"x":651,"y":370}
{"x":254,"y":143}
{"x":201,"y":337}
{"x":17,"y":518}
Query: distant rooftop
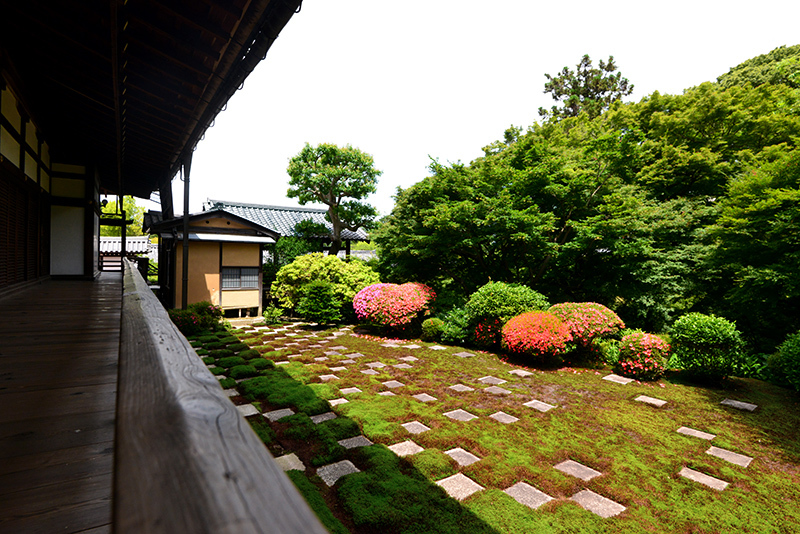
{"x":281,"y":219}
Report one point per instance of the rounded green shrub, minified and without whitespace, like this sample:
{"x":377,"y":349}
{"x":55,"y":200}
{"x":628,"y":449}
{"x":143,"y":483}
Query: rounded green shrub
{"x":230,"y":361}
{"x":242,"y":371}
{"x":538,"y":334}
{"x":272,"y":315}
{"x":319,"y":303}
{"x":587,"y":321}
{"x":642,"y":356}
{"x":706,"y":346}
{"x":493,"y":304}
{"x":432,"y":329}
{"x":785,"y":364}
{"x":455,"y":330}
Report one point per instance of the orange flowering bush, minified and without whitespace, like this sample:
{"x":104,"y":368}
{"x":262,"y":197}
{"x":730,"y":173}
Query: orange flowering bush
{"x":538,"y":334}
{"x":393,"y":306}
{"x":642,"y":356}
{"x":587,"y":321}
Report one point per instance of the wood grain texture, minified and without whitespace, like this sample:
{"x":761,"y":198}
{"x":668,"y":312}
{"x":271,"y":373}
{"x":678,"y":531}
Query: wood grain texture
{"x":186,"y":460}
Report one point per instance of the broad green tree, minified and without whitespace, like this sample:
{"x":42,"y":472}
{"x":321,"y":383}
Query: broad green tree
{"x":340,"y":178}
{"x":780,"y":66}
{"x":586,"y":89}
{"x":132,"y":211}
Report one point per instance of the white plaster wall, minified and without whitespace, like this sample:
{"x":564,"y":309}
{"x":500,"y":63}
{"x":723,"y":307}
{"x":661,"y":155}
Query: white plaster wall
{"x":66,"y":240}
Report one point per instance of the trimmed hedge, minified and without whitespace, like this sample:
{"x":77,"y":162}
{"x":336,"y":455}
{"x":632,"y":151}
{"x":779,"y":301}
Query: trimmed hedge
{"x":706,"y":346}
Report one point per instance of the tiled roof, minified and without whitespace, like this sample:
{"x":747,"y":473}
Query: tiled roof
{"x":133,"y":244}
{"x":280,"y":218}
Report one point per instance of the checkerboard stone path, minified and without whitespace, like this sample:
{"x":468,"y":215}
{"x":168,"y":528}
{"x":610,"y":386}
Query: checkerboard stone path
{"x":462,"y":457}
{"x":461,"y":388}
{"x":460,"y":415}
{"x":327,"y":416}
{"x":520,"y":373}
{"x":578,"y":470}
{"x":393,"y":384}
{"x":332,"y":472}
{"x":349,"y":391}
{"x":597,"y":504}
{"x":247,"y":410}
{"x":695,"y":433}
{"x":289,"y":462}
{"x":415,"y":427}
{"x":730,"y":456}
{"x":492,"y":380}
{"x":526,"y":494}
{"x":459,"y":486}
{"x":352,"y":443}
{"x":539,"y":405}
{"x":504,"y":418}
{"x":651,"y":400}
{"x":276,"y":415}
{"x":424,"y":397}
{"x":739,"y":405}
{"x":618,"y":379}
{"x":464,"y":354}
{"x":704,"y":479}
{"x":405,"y":448}
{"x":496,"y":390}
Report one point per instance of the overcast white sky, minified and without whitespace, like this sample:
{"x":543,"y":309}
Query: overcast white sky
{"x":443,"y":78}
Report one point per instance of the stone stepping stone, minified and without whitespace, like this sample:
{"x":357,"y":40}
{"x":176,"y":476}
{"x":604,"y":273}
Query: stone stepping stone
{"x":247,"y":410}
{"x":459,"y":486}
{"x":315,"y":346}
{"x":327,"y":416}
{"x":355,"y":355}
{"x":730,"y":456}
{"x":282,"y":363}
{"x":321,"y":359}
{"x":437,"y":347}
{"x":415,"y":427}
{"x":650,"y":400}
{"x":462,"y":457}
{"x":338,"y":347}
{"x":393,"y":384}
{"x":402,"y":366}
{"x":495,"y":390}
{"x":390,"y":345}
{"x":338,"y":368}
{"x":232,"y":392}
{"x":293,"y":344}
{"x":695,"y":433}
{"x":323,"y":341}
{"x":408,"y":359}
{"x":328,"y":378}
{"x":412,"y":347}
{"x":387,"y":394}
{"x":504,"y":418}
{"x":331,"y":353}
{"x":337,"y":402}
{"x":332,"y":472}
{"x":221,"y":377}
{"x":461,"y":388}
{"x":370,"y":372}
{"x":464,"y":354}
{"x":539,"y":405}
{"x":424,"y":397}
{"x":704,"y":479}
{"x":578,"y":470}
{"x":296,"y":356}
{"x":347,"y":361}
{"x":376,"y":365}
{"x":597,"y":504}
{"x":739,"y":405}
{"x":618,"y":379}
{"x":492,"y":380}
{"x":352,"y":443}
{"x":278,"y":414}
{"x":522,"y":374}
{"x":405,"y":448}
{"x":349,"y":391}
{"x":460,"y":415}
{"x":528,"y":495}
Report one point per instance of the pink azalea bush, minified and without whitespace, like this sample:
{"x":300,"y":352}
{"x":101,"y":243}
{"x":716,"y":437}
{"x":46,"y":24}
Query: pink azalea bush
{"x":587,"y":321}
{"x":642,"y":356}
{"x":537,"y":333}
{"x":393,"y":306}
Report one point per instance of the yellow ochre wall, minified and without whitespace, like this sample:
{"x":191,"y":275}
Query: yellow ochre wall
{"x":241,"y":255}
{"x":204,"y":277}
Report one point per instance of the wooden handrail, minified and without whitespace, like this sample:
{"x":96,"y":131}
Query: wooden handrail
{"x":185,"y":460}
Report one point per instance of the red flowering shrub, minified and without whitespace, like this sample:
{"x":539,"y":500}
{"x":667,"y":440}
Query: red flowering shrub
{"x":393,"y":306}
{"x":642,"y":356}
{"x":538,"y":334}
{"x":487,"y":332}
{"x":587,"y":321}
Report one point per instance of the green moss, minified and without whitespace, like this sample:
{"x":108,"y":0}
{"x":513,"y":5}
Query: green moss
{"x":227,"y":383}
{"x":262,"y":429}
{"x":341,"y":427}
{"x":278,"y":389}
{"x":217,"y":371}
{"x":236,"y":347}
{"x":208,"y":360}
{"x":214,"y":345}
{"x":196,"y":344}
{"x":220,"y":353}
{"x":242,"y":371}
{"x":262,"y":364}
{"x":228,"y":339}
{"x":433,"y":463}
{"x":249,"y":354}
{"x":210,"y":338}
{"x":230,"y":361}
{"x":201,"y":352}
{"x":316,"y":501}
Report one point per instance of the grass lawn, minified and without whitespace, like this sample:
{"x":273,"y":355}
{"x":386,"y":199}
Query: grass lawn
{"x":633,"y":445}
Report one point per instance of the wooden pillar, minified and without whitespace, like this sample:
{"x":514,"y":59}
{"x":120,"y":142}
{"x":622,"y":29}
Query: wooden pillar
{"x":186,"y":171}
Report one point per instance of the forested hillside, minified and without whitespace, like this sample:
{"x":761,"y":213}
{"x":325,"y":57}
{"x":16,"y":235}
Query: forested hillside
{"x":672,"y":204}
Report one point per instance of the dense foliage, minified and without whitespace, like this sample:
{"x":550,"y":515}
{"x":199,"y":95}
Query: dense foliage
{"x":493,"y":304}
{"x":537,"y":334}
{"x":642,"y":356}
{"x":319,"y":303}
{"x":706,"y":346}
{"x":786,"y":362}
{"x":393,"y":306}
{"x":674,"y":204}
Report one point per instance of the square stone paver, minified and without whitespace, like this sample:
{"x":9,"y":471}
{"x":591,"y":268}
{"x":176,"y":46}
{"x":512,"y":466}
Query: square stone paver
{"x":352,"y":443}
{"x":337,"y":369}
{"x":296,"y":356}
{"x":461,"y":388}
{"x":346,"y":361}
{"x":401,"y":366}
{"x":539,"y":405}
{"x":282,"y":363}
{"x":464,"y":354}
{"x":597,"y":504}
{"x":504,"y":418}
{"x":331,"y":353}
{"x":231,"y":392}
{"x":321,"y":359}
{"x":576,"y":469}
{"x":387,"y":394}
{"x":704,"y":479}
{"x":338,"y":347}
{"x":390,"y":345}
{"x":355,"y":355}
{"x":327,"y":378}
{"x":393,"y":384}
{"x":650,"y":400}
{"x":424,"y":397}
{"x":376,"y":365}
{"x":528,"y":495}
{"x":288,"y":462}
{"x":492,"y":380}
{"x":695,"y":433}
{"x":337,"y":402}
{"x":618,"y":379}
{"x":522,"y":374}
{"x":460,"y":415}
{"x":730,"y":456}
{"x":412,"y":347}
{"x":370,"y":372}
{"x":496,"y":390}
{"x":459,"y":486}
{"x":739,"y":405}
{"x":247,"y":410}
{"x":408,"y":359}
{"x":349,"y":391}
{"x":405,"y":448}
{"x":332,"y":472}
{"x":327,"y":416}
{"x":462,"y":457}
{"x":278,"y":414}
{"x":415,"y":427}
{"x":437,"y":347}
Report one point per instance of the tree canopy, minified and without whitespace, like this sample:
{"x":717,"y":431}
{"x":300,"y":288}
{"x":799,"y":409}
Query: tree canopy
{"x":340,"y":178}
{"x":780,"y":66}
{"x":132,"y":211}
{"x":587,"y":89}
